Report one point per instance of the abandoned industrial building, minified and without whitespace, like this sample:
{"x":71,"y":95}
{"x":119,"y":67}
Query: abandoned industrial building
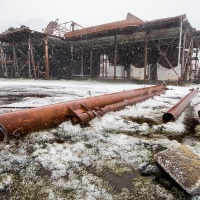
{"x":163,"y":49}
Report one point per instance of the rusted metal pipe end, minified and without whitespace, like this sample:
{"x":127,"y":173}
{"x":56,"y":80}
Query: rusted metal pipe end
{"x":84,"y":117}
{"x":168,"y":117}
{"x":173,"y":113}
{"x":75,"y":119}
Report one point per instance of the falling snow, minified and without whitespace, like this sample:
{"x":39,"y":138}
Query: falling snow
{"x":70,"y":162}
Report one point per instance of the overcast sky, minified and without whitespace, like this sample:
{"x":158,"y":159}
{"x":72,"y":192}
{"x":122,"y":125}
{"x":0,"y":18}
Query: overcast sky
{"x":37,"y":13}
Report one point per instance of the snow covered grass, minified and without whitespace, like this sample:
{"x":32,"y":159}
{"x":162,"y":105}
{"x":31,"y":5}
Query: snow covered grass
{"x":70,"y":162}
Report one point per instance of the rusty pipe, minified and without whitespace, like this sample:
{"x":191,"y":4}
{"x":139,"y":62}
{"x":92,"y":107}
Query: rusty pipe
{"x":44,"y":117}
{"x":173,"y":113}
{"x":84,"y":117}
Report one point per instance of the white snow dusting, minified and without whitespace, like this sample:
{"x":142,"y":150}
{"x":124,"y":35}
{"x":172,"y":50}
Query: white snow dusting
{"x":119,"y":142}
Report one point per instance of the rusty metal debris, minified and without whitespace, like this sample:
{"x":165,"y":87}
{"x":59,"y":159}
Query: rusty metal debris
{"x":79,"y":111}
{"x":183,"y":166}
{"x":173,"y":113}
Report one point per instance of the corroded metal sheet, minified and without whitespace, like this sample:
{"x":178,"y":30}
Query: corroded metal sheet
{"x":183,"y":166}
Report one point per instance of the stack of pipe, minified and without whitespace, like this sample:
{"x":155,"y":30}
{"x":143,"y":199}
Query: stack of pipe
{"x":79,"y":111}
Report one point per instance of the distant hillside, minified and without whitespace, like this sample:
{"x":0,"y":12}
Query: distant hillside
{"x":34,"y":24}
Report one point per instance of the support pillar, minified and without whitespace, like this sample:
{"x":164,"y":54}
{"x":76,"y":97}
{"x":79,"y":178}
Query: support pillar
{"x":106,"y":66}
{"x":128,"y":71}
{"x":115,"y":58}
{"x":183,"y":56}
{"x":15,"y":64}
{"x":103,"y":65}
{"x":29,"y":57}
{"x":82,"y":62}
{"x":91,"y":62}
{"x":2,"y":61}
{"x":33,"y":62}
{"x":72,"y":59}
{"x":179,"y":51}
{"x":145,"y":56}
{"x":190,"y":59}
{"x":196,"y":63}
{"x":46,"y":46}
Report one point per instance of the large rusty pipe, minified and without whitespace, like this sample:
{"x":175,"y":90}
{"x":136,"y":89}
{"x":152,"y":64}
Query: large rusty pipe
{"x":173,"y":113}
{"x":85,"y":117}
{"x":35,"y":119}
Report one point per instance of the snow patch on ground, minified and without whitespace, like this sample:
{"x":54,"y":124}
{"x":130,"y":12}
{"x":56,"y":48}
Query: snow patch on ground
{"x":74,"y":159}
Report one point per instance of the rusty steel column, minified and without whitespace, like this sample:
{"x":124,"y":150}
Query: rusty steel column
{"x":106,"y":66}
{"x":91,"y":62}
{"x":35,"y":119}
{"x":29,"y":57}
{"x":103,"y":66}
{"x":183,"y":55}
{"x":82,"y":63}
{"x":145,"y":57}
{"x":46,"y":46}
{"x":72,"y":59}
{"x":115,"y":58}
{"x":173,"y":113}
{"x":33,"y":62}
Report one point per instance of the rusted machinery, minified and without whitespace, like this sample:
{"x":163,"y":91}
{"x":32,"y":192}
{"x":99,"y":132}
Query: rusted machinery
{"x":173,"y":113}
{"x":80,"y":111}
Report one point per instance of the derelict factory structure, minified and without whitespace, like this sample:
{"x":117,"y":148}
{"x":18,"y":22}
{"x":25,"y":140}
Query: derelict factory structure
{"x":163,"y":49}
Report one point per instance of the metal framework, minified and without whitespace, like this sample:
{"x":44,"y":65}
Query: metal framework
{"x":54,"y":28}
{"x":171,"y":43}
{"x":168,"y":42}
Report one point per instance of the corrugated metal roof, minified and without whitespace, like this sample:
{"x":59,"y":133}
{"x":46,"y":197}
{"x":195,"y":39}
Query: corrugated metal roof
{"x":180,"y":17}
{"x":131,"y":20}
